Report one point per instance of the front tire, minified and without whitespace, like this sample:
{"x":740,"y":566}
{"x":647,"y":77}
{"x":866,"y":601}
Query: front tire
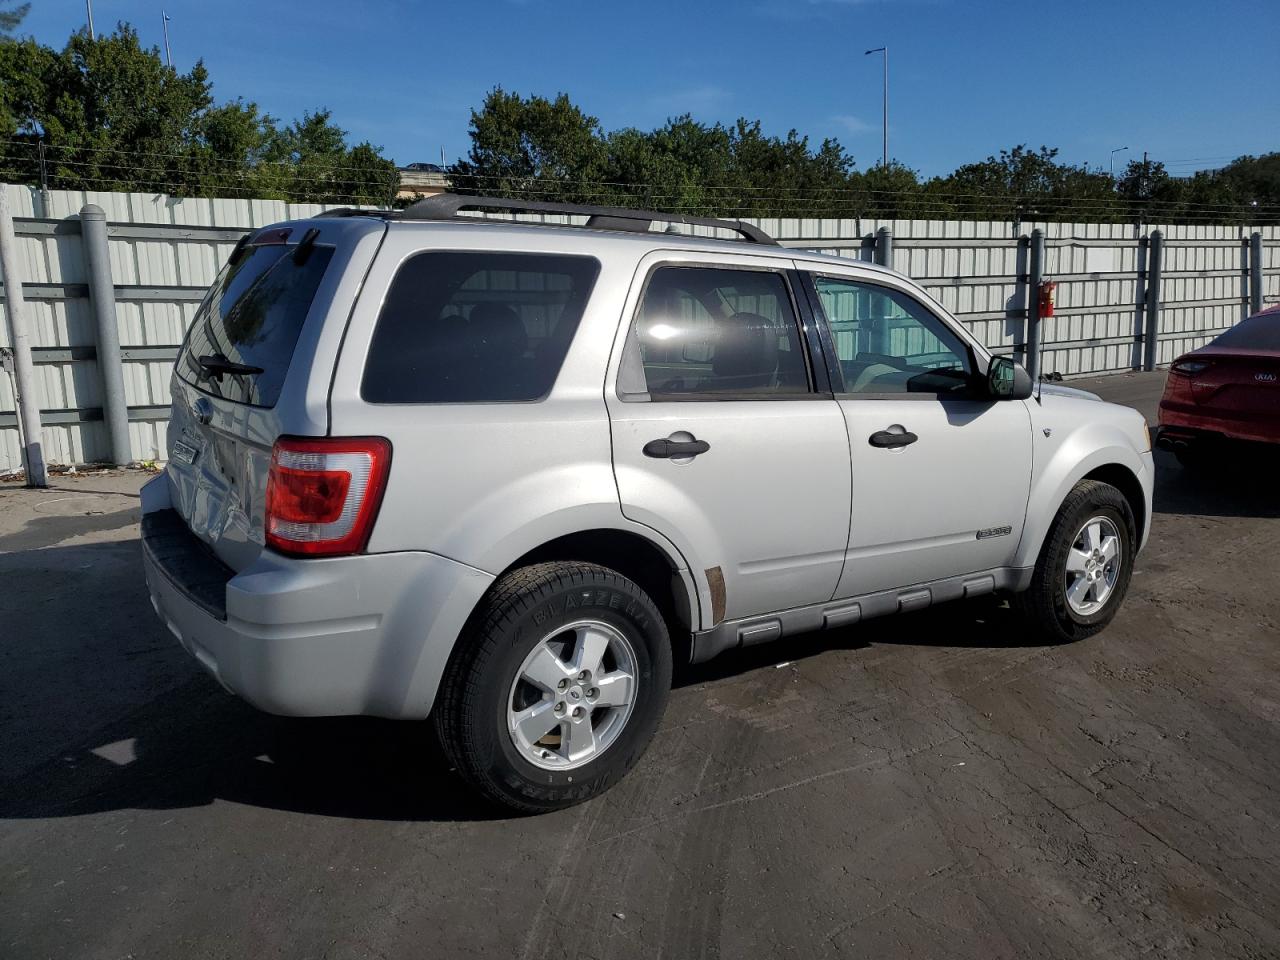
{"x":556,"y":687}
{"x":1084,"y":568}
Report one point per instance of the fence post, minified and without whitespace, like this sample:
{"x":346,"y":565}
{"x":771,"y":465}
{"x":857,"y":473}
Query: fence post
{"x":884,"y":247}
{"x":1033,"y":303}
{"x":1151,"y":337}
{"x":102,"y":298}
{"x":24,"y":377}
{"x":1140,"y":305}
{"x":1022,"y":298}
{"x":1255,"y":273}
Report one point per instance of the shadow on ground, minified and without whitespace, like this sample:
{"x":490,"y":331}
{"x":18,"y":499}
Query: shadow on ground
{"x":101,"y":710}
{"x":107,"y":712}
{"x":1241,"y":484}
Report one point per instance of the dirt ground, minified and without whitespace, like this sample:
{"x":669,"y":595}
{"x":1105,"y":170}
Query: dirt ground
{"x":936,"y":785}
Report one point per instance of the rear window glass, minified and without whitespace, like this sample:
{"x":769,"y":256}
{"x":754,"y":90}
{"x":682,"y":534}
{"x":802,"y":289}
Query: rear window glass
{"x":1259,"y":332}
{"x":467,"y":327}
{"x":245,"y":332}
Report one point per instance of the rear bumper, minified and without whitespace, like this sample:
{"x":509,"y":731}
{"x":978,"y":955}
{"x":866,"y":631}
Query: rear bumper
{"x":367,"y":634}
{"x":1179,"y":423}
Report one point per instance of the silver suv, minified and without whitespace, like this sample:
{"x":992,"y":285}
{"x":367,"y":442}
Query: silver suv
{"x":504,"y":474}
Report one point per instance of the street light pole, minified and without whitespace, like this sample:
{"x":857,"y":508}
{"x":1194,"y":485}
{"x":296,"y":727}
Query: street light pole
{"x":1113,"y":160}
{"x":168,"y":56}
{"x":88,"y":5}
{"x":884,"y":155}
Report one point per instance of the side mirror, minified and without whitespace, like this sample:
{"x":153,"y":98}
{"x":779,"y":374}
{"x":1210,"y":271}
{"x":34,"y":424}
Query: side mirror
{"x":1007,"y":380}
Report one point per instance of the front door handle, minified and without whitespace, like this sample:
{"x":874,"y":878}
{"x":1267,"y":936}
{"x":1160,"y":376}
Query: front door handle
{"x":668,"y":449}
{"x":896,"y":436}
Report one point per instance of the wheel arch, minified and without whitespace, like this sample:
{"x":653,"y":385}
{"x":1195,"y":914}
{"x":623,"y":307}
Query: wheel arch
{"x":1127,"y":482}
{"x":1113,"y":463}
{"x":649,"y":565}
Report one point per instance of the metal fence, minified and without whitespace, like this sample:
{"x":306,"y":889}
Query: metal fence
{"x":165,"y":251}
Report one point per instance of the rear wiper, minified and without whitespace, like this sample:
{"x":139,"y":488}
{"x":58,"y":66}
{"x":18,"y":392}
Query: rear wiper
{"x":215,"y":365}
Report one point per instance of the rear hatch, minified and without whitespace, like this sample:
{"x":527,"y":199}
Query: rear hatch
{"x":256,"y":364}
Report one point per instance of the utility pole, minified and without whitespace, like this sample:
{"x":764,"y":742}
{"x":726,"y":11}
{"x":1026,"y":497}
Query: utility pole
{"x":89,"y":8}
{"x":168,"y":56}
{"x":884,"y":155}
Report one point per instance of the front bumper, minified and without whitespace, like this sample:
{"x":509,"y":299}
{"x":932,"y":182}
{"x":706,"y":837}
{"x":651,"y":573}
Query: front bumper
{"x":1148,"y":481}
{"x":367,"y":634}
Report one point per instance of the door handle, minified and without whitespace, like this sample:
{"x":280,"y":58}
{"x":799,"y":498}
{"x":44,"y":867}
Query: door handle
{"x":896,"y":436}
{"x":667,"y":449}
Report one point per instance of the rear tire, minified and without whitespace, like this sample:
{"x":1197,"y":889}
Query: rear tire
{"x":573,"y":647}
{"x":1077,"y":587}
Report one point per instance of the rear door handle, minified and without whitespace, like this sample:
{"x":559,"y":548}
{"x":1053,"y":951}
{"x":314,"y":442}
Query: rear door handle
{"x":894,"y":437}
{"x":667,"y":449}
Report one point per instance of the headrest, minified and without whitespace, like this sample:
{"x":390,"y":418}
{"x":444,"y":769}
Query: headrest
{"x":497,"y":329}
{"x":746,"y":347}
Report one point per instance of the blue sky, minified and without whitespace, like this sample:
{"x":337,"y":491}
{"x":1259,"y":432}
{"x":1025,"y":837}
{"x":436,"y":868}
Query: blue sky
{"x":1191,"y":82}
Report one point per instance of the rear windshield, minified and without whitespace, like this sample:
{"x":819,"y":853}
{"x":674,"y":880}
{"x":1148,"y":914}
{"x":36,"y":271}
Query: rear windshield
{"x":1259,"y":332}
{"x":476,"y":327}
{"x":244,"y":334}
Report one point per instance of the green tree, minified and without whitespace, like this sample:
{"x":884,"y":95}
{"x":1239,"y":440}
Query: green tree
{"x":1251,"y":180}
{"x":110,"y":115}
{"x":533,"y":148}
{"x":11,"y":16}
{"x":1026,"y":183}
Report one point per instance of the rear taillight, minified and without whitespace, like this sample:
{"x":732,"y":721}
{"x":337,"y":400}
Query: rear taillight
{"x":1189,"y":367}
{"x":323,"y":494}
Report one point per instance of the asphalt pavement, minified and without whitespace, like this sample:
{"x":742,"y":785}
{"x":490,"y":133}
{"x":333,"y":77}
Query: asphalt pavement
{"x":936,"y":785}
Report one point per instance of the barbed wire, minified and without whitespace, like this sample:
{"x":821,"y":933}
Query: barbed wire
{"x":557,"y":185}
{"x":194,"y":154}
{"x":324,"y":183}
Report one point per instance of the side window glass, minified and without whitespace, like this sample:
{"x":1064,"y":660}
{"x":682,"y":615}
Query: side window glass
{"x":889,"y":342}
{"x":476,"y":327}
{"x":706,"y":332}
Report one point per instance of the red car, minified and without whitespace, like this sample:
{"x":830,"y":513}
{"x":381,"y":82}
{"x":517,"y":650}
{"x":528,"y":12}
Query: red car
{"x":1227,"y":390}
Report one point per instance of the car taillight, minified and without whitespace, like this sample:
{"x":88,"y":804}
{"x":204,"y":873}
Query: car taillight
{"x":323,"y":494}
{"x":1189,"y":367}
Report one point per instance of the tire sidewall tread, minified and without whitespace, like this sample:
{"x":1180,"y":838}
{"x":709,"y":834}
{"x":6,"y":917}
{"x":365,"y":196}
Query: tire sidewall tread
{"x":1044,"y":604}
{"x":521,"y":608}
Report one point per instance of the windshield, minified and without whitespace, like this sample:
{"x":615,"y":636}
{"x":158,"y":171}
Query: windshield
{"x":244,"y":334}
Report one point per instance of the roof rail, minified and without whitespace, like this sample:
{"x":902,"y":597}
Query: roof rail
{"x":446,"y":206}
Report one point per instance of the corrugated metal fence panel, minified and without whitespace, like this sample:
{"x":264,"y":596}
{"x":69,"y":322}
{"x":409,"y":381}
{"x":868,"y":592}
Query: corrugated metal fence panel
{"x":975,"y":269}
{"x":172,"y":270}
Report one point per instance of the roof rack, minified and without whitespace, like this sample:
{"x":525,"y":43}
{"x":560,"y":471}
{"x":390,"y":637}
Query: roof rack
{"x":447,"y":206}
